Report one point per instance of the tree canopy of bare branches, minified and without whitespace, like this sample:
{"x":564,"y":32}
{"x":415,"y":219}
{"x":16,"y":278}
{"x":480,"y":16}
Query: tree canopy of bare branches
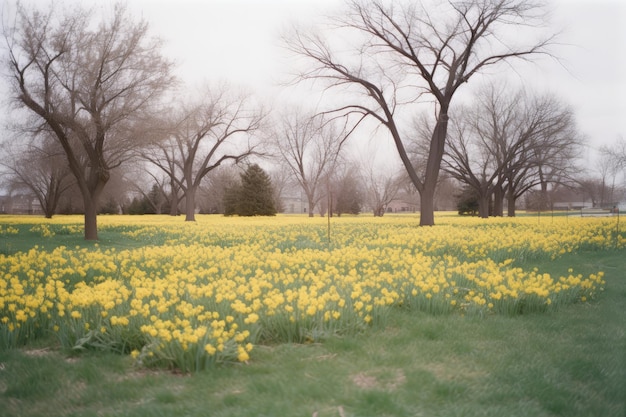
{"x":510,"y":142}
{"x":310,"y":147}
{"x":40,"y":167}
{"x":201,"y":135}
{"x":611,"y":165}
{"x":90,"y":82}
{"x":381,"y":187}
{"x":407,"y":52}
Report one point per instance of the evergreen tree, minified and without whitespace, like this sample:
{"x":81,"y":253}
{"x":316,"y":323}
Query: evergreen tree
{"x":255,"y":196}
{"x":467,"y":202}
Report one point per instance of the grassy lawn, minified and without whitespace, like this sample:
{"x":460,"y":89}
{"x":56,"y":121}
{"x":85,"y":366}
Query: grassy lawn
{"x":565,"y":362}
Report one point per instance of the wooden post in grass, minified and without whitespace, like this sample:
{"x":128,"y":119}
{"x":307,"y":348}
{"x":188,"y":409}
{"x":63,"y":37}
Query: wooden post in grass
{"x":329,"y":208}
{"x":616,"y":209}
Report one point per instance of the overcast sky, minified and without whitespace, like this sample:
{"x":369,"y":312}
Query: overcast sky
{"x":239,"y":41}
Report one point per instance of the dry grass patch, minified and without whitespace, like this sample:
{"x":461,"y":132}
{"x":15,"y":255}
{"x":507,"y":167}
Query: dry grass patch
{"x":382,"y":380}
{"x":453,"y":370}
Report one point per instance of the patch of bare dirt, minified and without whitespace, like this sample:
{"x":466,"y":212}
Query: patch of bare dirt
{"x":37,"y":353}
{"x":380,"y":380}
{"x":452,"y":370}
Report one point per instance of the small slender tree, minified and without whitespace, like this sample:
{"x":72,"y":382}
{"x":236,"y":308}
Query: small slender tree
{"x":309,"y":148}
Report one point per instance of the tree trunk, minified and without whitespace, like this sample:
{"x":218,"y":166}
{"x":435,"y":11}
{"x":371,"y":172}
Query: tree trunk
{"x":91,"y":217}
{"x":498,"y":201}
{"x":427,"y":208}
{"x":174,"y":199}
{"x":511,"y":205}
{"x":433,"y":165}
{"x":483,"y":206}
{"x":544,"y":196}
{"x":190,"y":205}
{"x":48,"y":206}
{"x":174,"y":204}
{"x":91,"y":189}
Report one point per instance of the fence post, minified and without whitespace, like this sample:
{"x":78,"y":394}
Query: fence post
{"x":617,"y":226}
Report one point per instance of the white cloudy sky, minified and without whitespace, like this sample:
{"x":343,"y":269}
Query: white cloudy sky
{"x":238,"y":40}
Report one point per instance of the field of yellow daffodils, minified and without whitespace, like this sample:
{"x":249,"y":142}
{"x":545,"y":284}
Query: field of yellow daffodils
{"x":189,"y":295}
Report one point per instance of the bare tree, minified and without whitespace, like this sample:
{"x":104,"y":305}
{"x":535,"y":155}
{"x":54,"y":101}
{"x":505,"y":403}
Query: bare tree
{"x":618,"y":150}
{"x":281,"y":180}
{"x":591,"y":189}
{"x":511,"y":142}
{"x":90,"y":83}
{"x":612,"y":163}
{"x":162,"y":150}
{"x":543,"y":151}
{"x":152,"y":185}
{"x":381,"y":188}
{"x":202,"y":135}
{"x":309,"y":146}
{"x":40,"y":167}
{"x":469,"y":160}
{"x":409,"y":51}
{"x":117,"y":192}
{"x":215,"y":187}
{"x":557,"y":146}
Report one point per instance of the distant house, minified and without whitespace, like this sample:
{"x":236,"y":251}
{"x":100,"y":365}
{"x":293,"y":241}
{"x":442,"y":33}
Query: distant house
{"x":294,"y":204}
{"x":19,"y":204}
{"x":402,"y":205}
{"x":570,"y":199}
{"x":571,"y":205}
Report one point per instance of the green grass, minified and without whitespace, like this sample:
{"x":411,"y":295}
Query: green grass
{"x":571,"y":362}
{"x":26,"y":239}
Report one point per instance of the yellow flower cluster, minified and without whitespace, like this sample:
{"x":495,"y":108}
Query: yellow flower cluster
{"x":8,"y":230}
{"x":194,"y":294}
{"x":42,"y":229}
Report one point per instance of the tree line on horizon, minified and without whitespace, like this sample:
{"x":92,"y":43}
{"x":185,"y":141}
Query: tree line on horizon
{"x":96,"y":103}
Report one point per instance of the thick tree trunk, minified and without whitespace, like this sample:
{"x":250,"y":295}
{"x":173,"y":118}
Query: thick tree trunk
{"x":91,"y":189}
{"x":311,"y":206}
{"x":427,"y":208}
{"x":498,"y":201}
{"x":91,"y":217}
{"x":511,"y":205}
{"x":190,"y":205}
{"x":48,"y":207}
{"x":483,"y":206}
{"x":433,"y":165}
{"x":174,"y":205}
{"x":91,"y":200}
